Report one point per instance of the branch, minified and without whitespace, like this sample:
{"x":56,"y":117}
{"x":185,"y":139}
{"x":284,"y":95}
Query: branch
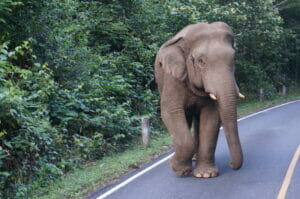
{"x":280,"y":3}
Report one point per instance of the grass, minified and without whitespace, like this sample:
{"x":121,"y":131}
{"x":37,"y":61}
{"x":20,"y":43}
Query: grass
{"x":81,"y":181}
{"x":75,"y":184}
{"x":247,"y":107}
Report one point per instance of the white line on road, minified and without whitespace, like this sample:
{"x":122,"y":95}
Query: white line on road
{"x":266,"y":110}
{"x":117,"y":187}
{"x":289,"y":174}
{"x":133,"y":177}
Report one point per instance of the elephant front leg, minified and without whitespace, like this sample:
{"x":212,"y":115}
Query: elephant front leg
{"x":177,"y":126}
{"x":208,"y":136}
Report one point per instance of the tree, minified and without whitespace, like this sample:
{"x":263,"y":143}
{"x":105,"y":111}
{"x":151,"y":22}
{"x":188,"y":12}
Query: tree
{"x":289,"y":9}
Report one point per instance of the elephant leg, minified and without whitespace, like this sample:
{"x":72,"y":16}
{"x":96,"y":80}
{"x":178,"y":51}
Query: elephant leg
{"x":195,"y":128}
{"x":177,"y":125}
{"x":193,"y":124}
{"x":208,"y":136}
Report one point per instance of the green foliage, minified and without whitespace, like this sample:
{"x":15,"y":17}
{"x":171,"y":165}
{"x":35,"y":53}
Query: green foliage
{"x":47,"y":130}
{"x":6,"y":7}
{"x":290,"y":13}
{"x":28,"y":140}
{"x":97,"y":79}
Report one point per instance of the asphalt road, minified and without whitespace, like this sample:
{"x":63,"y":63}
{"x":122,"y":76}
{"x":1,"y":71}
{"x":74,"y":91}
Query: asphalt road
{"x":269,"y":140}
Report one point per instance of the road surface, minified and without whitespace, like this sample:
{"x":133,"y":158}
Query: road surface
{"x":271,"y":169}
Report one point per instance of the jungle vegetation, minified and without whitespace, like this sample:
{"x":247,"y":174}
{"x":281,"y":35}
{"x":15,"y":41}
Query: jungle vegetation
{"x":77,"y":75}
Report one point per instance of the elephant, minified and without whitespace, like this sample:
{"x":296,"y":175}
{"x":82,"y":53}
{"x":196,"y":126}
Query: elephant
{"x":194,"y":72}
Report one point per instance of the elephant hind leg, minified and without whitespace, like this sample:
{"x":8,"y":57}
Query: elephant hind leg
{"x":195,"y":130}
{"x":193,"y":123}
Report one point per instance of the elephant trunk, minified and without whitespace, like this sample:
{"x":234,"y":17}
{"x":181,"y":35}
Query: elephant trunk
{"x":227,"y":100}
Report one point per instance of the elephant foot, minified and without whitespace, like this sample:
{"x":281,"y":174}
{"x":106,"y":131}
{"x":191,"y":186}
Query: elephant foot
{"x":181,"y":168}
{"x":194,"y":157}
{"x":206,"y":171}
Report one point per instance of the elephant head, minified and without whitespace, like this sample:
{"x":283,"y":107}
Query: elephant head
{"x":202,"y":56}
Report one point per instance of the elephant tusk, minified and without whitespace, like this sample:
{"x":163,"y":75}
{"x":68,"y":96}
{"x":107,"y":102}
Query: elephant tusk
{"x":212,"y":96}
{"x":241,"y":96}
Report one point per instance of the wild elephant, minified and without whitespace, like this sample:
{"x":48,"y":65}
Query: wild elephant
{"x":194,"y":72}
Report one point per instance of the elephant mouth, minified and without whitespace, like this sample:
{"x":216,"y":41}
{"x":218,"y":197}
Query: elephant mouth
{"x":202,"y":92}
{"x":198,"y":90}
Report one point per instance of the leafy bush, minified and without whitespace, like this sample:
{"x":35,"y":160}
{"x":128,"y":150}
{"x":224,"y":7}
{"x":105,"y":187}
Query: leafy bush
{"x":47,"y":130}
{"x":28,"y":139}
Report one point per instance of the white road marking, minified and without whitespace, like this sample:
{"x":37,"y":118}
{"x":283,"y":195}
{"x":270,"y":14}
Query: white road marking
{"x":289,"y":174}
{"x":117,"y":187}
{"x":266,"y":110}
{"x":134,"y":177}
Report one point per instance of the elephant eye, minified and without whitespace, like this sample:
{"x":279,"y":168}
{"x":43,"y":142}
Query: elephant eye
{"x":201,"y":61}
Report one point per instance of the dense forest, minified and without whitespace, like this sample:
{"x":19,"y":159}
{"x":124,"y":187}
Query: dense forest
{"x":77,"y":75}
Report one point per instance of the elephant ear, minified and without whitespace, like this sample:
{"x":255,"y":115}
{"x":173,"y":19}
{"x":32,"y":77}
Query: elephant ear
{"x":172,"y":59}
